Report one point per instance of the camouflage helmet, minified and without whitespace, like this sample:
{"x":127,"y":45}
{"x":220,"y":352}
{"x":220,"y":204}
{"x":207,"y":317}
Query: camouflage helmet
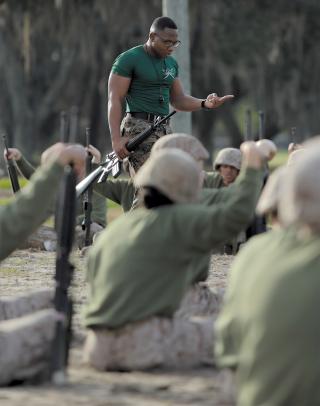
{"x":185,"y":142}
{"x":228,"y":156}
{"x":295,"y":156}
{"x":173,"y":172}
{"x":271,"y":193}
{"x":300,"y":199}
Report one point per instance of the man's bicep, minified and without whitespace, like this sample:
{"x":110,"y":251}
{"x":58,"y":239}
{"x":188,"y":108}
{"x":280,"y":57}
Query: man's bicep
{"x":118,"y":86}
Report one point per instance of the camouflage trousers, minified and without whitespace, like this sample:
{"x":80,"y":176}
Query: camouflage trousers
{"x":132,"y":126}
{"x":156,"y":342}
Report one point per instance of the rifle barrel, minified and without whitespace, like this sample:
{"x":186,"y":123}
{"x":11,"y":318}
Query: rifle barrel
{"x":12,"y":171}
{"x":86,"y":182}
{"x":87,"y":196}
{"x":131,"y":146}
{"x":248,"y":126}
{"x":261,"y":125}
{"x":63,"y":127}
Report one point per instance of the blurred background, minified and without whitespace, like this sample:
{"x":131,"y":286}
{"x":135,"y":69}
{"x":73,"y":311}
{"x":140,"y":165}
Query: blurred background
{"x":55,"y":54}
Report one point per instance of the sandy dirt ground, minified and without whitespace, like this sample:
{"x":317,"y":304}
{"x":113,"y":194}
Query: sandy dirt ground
{"x":27,"y":270}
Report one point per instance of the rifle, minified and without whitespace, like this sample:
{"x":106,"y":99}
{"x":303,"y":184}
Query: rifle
{"x":293,"y":134}
{"x":112,"y":163}
{"x":261,"y":124}
{"x":11,"y":168}
{"x":74,"y":124}
{"x":248,"y":126}
{"x":63,"y":127}
{"x":259,"y":223}
{"x":65,"y":224}
{"x":87,"y":197}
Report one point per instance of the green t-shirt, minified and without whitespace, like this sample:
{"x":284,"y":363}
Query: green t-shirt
{"x":269,"y":326}
{"x":145,"y":261}
{"x":151,"y":79}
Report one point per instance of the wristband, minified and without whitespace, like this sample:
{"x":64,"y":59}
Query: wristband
{"x":203,"y":105}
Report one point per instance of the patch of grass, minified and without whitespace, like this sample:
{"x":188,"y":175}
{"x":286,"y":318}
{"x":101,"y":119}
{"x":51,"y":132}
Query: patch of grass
{"x":6,"y":184}
{"x":49,"y":222}
{"x":113,"y":213}
{"x":5,"y":272}
{"x":280,"y":159}
{"x":4,"y":201}
{"x":112,"y":205}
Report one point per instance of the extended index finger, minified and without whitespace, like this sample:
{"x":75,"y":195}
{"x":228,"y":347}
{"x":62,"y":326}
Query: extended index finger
{"x":227,"y":97}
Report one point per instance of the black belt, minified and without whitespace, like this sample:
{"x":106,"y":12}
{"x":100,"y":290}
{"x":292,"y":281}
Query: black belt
{"x":145,"y":116}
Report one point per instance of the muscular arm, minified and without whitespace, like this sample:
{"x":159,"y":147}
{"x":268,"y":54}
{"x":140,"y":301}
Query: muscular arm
{"x":181,"y":101}
{"x":118,"y":87}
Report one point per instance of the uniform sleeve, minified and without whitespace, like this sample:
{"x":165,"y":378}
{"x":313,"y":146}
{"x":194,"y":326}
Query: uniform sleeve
{"x":124,"y":65}
{"x":25,"y":167}
{"x":214,"y":225}
{"x":99,"y":210}
{"x":227,"y":328}
{"x":213,"y":180}
{"x":29,"y":209}
{"x":111,"y":189}
{"x":212,"y":196}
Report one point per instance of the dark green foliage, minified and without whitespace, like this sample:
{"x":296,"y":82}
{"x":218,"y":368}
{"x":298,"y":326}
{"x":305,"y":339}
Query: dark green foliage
{"x":55,"y":54}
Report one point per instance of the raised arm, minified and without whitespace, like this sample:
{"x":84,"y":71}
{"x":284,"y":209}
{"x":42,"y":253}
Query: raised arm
{"x":32,"y":205}
{"x":24,"y":166}
{"x":180,"y":101}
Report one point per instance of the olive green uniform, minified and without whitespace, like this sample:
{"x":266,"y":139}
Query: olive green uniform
{"x":29,"y":209}
{"x":123,"y":192}
{"x":159,"y":251}
{"x":26,"y":341}
{"x":120,"y":191}
{"x":99,"y":207}
{"x":213,"y":180}
{"x":269,"y":328}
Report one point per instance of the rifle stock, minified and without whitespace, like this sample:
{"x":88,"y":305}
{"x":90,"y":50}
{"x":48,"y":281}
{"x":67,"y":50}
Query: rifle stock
{"x":248,"y":126}
{"x":87,"y":197}
{"x":261,"y":124}
{"x":138,"y":139}
{"x":112,"y":160}
{"x":63,"y":276}
{"x":11,"y":168}
{"x":65,"y":224}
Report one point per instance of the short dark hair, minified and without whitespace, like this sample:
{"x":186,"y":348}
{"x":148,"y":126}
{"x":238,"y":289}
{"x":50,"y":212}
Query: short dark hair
{"x":160,"y":23}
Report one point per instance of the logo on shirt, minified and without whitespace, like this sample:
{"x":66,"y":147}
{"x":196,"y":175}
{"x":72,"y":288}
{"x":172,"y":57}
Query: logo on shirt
{"x":169,"y":72}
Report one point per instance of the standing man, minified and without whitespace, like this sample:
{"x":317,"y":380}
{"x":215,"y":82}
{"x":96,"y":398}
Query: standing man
{"x":147,"y":78}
